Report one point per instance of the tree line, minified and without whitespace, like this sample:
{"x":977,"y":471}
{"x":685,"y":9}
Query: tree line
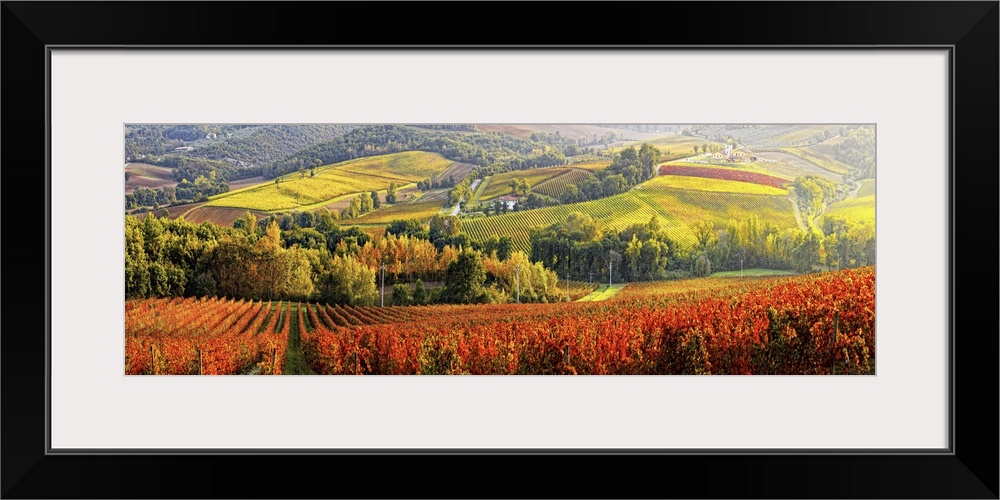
{"x":276,"y":258}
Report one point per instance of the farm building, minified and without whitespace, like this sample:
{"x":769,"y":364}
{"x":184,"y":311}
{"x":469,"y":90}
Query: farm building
{"x":510,"y":201}
{"x":731,"y":155}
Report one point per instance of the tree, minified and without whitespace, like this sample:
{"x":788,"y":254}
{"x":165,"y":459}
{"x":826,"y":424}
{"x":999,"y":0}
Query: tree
{"x":375,"y":201}
{"x":247,"y":223}
{"x":400,"y":294}
{"x":464,"y":278}
{"x":354,"y":210}
{"x":444,"y":226}
{"x":703,"y":232}
{"x":419,"y":293}
{"x":570,"y":194}
{"x":348,"y":282}
{"x":390,"y":195}
{"x":365,"y":202}
{"x":703,"y":266}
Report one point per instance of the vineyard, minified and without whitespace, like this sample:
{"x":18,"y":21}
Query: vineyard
{"x":860,"y":209}
{"x":411,"y":166}
{"x":824,"y":161}
{"x":813,"y":324}
{"x":302,"y":190}
{"x":616,"y":212}
{"x":677,"y":210}
{"x":807,"y":324}
{"x":689,"y":208}
{"x":677,"y":146}
{"x":728,"y":174}
{"x":419,"y":209}
{"x":554,"y":186}
{"x":713,"y":184}
{"x":205,"y":336}
{"x":499,"y":184}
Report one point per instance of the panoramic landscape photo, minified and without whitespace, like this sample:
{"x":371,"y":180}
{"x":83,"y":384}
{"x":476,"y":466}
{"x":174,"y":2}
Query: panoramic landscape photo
{"x":499,"y":249}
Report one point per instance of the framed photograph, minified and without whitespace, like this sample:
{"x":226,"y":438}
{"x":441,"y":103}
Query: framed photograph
{"x":726,"y":248}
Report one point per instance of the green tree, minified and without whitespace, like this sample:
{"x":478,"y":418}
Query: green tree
{"x":375,"y":200}
{"x":348,"y":282}
{"x":366,"y":203}
{"x":390,"y":195}
{"x":464,"y":278}
{"x":444,"y":226}
{"x":248,"y":224}
{"x":570,"y":194}
{"x":419,"y":293}
{"x":400,"y":294}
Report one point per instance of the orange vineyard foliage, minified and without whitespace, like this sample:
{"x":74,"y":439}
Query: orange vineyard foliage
{"x":165,"y":336}
{"x":808,"y":324}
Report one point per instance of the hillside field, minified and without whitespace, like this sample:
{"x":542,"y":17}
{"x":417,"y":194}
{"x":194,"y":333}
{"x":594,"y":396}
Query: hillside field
{"x":295,"y":191}
{"x":677,"y":210}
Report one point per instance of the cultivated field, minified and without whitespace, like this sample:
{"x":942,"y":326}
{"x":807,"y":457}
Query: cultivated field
{"x":716,"y":185}
{"x":219,"y":216}
{"x":823,"y":160}
{"x":677,"y":209}
{"x":419,"y":209}
{"x":673,"y":147}
{"x":860,"y":209}
{"x":791,"y":166}
{"x":499,"y":184}
{"x":556,"y":185}
{"x":728,"y":174}
{"x":295,"y":191}
{"x":150,"y":176}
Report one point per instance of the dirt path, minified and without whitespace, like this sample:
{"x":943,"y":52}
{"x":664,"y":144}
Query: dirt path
{"x":295,"y":364}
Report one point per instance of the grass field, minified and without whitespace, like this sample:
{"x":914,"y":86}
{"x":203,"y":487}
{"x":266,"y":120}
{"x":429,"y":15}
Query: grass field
{"x":860,"y":209}
{"x":419,"y":209}
{"x":604,"y":292}
{"x":825,"y":161}
{"x":333,"y":181}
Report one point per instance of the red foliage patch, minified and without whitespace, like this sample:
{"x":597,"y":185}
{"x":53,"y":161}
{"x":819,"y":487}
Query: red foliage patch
{"x":724,"y":174}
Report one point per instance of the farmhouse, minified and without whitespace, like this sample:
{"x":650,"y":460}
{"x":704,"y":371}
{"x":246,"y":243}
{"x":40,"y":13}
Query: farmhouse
{"x":732,"y":155}
{"x":510,"y":201}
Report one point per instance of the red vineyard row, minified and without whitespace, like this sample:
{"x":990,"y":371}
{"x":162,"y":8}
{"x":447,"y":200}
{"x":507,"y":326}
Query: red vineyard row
{"x":724,"y":174}
{"x":814,"y":324}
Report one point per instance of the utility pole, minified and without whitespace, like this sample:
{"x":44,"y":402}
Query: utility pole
{"x":590,"y":277}
{"x":517,"y":269}
{"x":383,"y":284}
{"x":609,"y":273}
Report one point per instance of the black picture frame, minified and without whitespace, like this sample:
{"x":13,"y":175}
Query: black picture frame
{"x":968,"y":470}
